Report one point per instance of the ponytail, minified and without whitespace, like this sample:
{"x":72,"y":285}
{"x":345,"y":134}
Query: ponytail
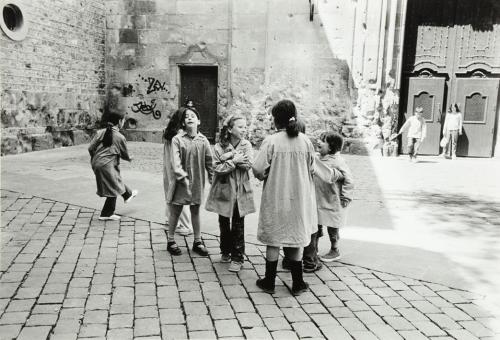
{"x":224,"y":136}
{"x":293,"y":129}
{"x":285,"y":117}
{"x":107,"y":140}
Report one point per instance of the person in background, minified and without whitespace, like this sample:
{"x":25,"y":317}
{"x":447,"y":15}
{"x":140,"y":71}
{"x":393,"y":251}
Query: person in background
{"x":106,"y":149}
{"x":452,"y":128}
{"x":417,"y":131}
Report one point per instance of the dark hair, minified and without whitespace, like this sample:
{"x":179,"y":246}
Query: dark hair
{"x":173,"y":124}
{"x":285,"y":117}
{"x":184,"y":113}
{"x":455,"y":106}
{"x":334,"y":140}
{"x":301,"y":125}
{"x":225,"y":135}
{"x":111,"y":120}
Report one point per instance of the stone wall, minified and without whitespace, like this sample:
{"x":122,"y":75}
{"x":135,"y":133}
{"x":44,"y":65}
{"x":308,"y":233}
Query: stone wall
{"x":265,"y":51}
{"x":52,"y":82}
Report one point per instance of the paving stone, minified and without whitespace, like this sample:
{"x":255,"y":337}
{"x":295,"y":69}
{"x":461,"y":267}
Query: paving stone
{"x":12,"y":318}
{"x":195,"y":308}
{"x":199,"y":323}
{"x":284,"y":335}
{"x":146,"y":327}
{"x":428,"y":328}
{"x":277,"y":324}
{"x":385,"y":332}
{"x":335,"y":333}
{"x":412,"y":335}
{"x":269,"y":311}
{"x":120,"y":333}
{"x":287,"y":301}
{"x":42,"y":320}
{"x":37,"y":332}
{"x":121,"y":321}
{"x":314,"y":308}
{"x":476,"y":328}
{"x":222,"y":312}
{"x":10,"y":331}
{"x":20,"y":305}
{"x":92,"y":330}
{"x":363,"y":335}
{"x":249,"y":320}
{"x":399,"y":323}
{"x":242,"y":305}
{"x":201,"y":335}
{"x":462,"y":334}
{"x":227,"y":328}
{"x":306,"y":329}
{"x":146,"y":312}
{"x":173,"y":332}
{"x":257,"y":333}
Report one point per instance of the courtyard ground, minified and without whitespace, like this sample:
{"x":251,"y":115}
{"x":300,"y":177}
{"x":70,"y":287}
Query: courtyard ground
{"x":420,"y":257}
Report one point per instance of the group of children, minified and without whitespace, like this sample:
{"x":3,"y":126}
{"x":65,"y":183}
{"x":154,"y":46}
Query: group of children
{"x":302,"y":191}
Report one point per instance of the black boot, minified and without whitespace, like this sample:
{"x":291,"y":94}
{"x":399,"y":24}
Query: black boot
{"x":267,"y":283}
{"x":298,"y":284}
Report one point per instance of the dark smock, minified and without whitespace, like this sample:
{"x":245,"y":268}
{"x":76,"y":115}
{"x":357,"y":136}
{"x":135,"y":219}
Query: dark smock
{"x":105,"y":162}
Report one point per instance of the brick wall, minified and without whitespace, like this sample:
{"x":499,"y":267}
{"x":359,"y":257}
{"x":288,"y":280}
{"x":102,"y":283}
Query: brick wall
{"x":53,"y":81}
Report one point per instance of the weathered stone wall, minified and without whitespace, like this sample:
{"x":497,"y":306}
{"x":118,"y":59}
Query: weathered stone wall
{"x":52,"y":82}
{"x":265,"y":50}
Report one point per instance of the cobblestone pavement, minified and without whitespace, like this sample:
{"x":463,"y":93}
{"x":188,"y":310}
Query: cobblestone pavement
{"x":67,"y":275}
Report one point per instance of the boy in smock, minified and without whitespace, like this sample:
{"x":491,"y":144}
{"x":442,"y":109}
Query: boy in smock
{"x":417,"y":131}
{"x":231,"y":193}
{"x":333,"y":195}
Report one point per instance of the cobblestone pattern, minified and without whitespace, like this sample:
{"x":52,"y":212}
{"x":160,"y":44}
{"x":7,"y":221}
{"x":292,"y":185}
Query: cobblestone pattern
{"x":67,"y":275}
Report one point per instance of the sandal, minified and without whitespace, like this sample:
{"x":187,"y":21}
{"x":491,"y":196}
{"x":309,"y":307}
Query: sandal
{"x":200,"y":249}
{"x":173,"y":248}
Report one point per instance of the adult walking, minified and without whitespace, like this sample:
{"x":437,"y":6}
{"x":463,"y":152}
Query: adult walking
{"x":285,"y":162}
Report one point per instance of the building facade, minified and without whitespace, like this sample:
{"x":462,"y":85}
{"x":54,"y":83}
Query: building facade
{"x":358,"y":66}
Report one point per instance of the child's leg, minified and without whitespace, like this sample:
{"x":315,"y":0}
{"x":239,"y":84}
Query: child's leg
{"x":126,"y":195}
{"x":310,"y":253}
{"x":411,"y":143}
{"x":109,"y":207}
{"x":173,"y":219}
{"x":417,"y":146}
{"x":333,"y":234}
{"x":225,"y":235}
{"x":298,"y":284}
{"x":272,"y":253}
{"x":195,"y":219}
{"x":238,"y":236}
{"x":268,"y":281}
{"x":184,"y":219}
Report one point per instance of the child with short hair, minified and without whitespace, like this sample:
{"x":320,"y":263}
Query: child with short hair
{"x":333,"y":196}
{"x":285,"y":162}
{"x":231,"y":193}
{"x":191,"y":156}
{"x":184,"y":226}
{"x":106,"y":149}
{"x":417,"y":131}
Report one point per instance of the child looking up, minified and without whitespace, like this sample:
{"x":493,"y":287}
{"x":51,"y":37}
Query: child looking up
{"x":285,"y":162}
{"x":191,"y":157}
{"x":184,"y":227}
{"x":231,"y":193}
{"x":106,"y":149}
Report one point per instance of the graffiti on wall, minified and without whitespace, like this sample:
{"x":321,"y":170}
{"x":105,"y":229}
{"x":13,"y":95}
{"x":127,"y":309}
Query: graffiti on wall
{"x":146,"y":109}
{"x":154,"y":85}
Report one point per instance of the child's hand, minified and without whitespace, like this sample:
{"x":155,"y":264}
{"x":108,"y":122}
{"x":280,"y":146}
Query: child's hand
{"x":344,"y":203}
{"x":240,"y":158}
{"x":186,"y":181}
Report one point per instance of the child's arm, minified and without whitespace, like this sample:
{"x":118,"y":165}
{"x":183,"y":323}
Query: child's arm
{"x":327,"y":173}
{"x":180,"y":173}
{"x":247,"y":152}
{"x":122,"y":145}
{"x":223,"y":163}
{"x":94,"y":143}
{"x":424,"y":130}
{"x":405,"y":126}
{"x":262,"y":162}
{"x":347,"y":187}
{"x":209,"y":161}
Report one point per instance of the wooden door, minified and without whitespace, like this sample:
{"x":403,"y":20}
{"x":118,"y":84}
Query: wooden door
{"x":427,"y":93}
{"x":199,"y":83}
{"x":458,"y":40}
{"x":477,"y":99}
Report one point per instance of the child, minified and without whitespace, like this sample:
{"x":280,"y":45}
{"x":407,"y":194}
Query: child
{"x":417,"y":130}
{"x":452,"y":128}
{"x":191,"y":156}
{"x":332,"y":196}
{"x":231,"y":193}
{"x":285,"y":162}
{"x":184,"y":227}
{"x":106,"y":149}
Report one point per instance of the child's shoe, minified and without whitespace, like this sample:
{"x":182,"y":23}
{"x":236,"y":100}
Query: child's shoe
{"x":134,"y":193}
{"x":332,"y":255}
{"x":299,"y":286}
{"x":235,"y":266}
{"x":225,"y":258}
{"x":267,"y":283}
{"x":110,"y":218}
{"x":200,"y":249}
{"x":173,"y":248}
{"x":314,"y":268}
